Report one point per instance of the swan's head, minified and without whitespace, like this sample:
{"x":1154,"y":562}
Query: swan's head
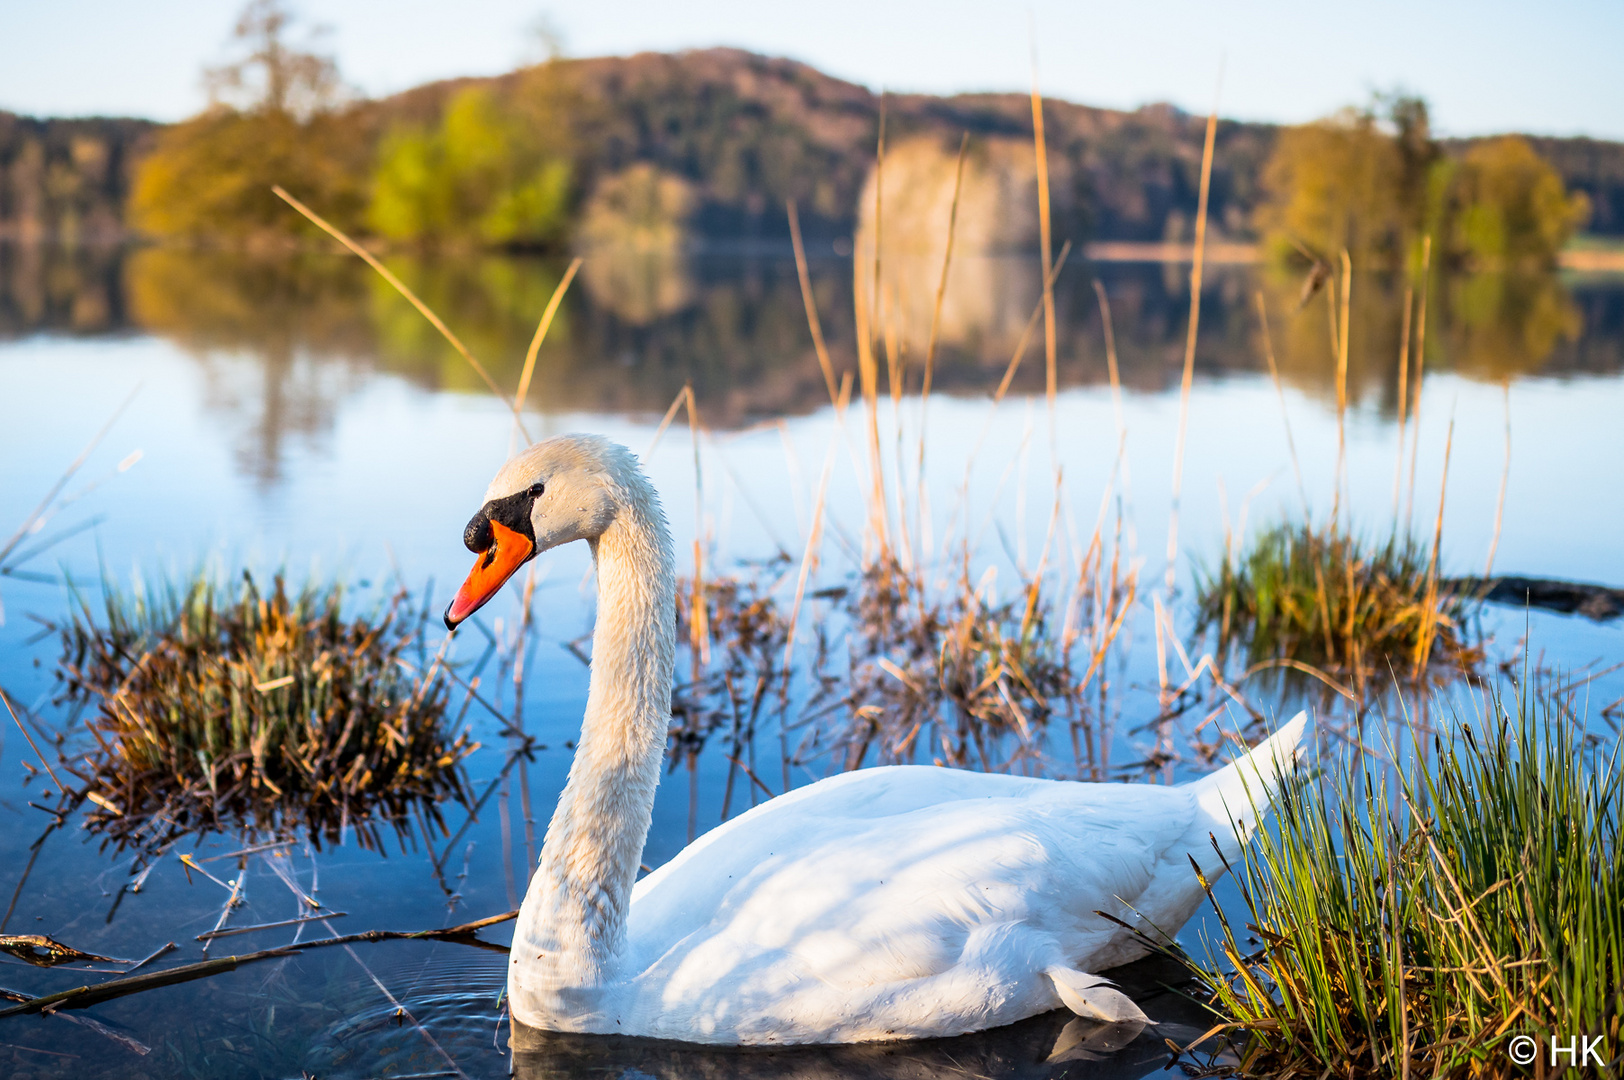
{"x":559,"y":490}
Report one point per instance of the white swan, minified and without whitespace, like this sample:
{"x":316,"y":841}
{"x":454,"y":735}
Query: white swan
{"x":887,"y":903}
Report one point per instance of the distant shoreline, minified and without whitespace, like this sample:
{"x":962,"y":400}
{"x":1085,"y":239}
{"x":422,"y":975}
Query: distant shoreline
{"x":1584,"y":259}
{"x":1139,"y":251}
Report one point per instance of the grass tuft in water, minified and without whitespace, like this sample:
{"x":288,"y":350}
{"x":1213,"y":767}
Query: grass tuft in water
{"x":950,"y":670}
{"x":905,"y":667}
{"x":1327,"y":598}
{"x":236,"y":709}
{"x":1415,"y":922}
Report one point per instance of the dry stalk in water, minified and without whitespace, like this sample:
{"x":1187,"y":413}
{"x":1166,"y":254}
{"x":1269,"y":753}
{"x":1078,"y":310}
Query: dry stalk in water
{"x":1046,"y":244}
{"x":1403,"y":393}
{"x":810,"y":302}
{"x":411,"y":297}
{"x":1420,"y":371}
{"x":1339,"y":477}
{"x":1189,"y":345}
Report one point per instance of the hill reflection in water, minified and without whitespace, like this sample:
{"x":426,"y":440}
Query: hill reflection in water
{"x":735,"y":326}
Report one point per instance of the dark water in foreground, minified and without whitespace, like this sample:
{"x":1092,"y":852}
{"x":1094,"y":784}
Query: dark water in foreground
{"x":298,"y":416}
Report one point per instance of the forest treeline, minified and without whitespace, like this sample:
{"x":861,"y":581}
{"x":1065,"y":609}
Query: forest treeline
{"x":660,"y":148}
{"x":67,"y":180}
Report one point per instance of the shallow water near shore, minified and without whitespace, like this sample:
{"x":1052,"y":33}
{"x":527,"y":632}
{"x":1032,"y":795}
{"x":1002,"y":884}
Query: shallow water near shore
{"x":293,"y":416}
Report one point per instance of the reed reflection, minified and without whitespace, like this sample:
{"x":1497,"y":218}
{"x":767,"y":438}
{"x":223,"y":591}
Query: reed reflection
{"x":281,"y":343}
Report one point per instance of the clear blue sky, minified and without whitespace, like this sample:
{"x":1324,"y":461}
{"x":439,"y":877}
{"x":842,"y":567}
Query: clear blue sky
{"x":1485,"y":66}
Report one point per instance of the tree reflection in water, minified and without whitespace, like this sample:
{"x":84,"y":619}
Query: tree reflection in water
{"x":281,"y":342}
{"x":284,"y":340}
{"x":1507,"y":324}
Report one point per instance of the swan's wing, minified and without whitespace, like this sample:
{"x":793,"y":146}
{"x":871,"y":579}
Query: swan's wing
{"x":895,"y":874}
{"x":864,"y":793}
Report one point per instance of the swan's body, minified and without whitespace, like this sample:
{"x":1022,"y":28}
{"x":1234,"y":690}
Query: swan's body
{"x":901,"y":902}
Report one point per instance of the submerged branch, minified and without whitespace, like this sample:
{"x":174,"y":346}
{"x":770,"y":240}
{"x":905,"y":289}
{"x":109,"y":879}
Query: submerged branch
{"x":81,"y":997}
{"x":42,"y":951}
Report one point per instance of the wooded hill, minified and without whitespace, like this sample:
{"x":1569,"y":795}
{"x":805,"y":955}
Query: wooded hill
{"x":748,"y":132}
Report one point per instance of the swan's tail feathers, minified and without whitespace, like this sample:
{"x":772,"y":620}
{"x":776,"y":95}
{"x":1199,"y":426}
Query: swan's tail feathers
{"x":1094,"y":998}
{"x":1235,"y":798}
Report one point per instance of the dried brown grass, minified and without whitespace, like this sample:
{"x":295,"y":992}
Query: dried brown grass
{"x":254,"y":711}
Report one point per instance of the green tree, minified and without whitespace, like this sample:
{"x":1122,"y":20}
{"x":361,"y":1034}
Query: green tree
{"x":276,"y":117}
{"x":1511,"y":210}
{"x":481,"y":176}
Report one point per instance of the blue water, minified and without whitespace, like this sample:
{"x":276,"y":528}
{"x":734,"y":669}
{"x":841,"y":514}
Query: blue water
{"x":355,"y":456}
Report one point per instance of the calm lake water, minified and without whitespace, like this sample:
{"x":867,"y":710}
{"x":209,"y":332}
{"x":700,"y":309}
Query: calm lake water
{"x":299,"y":415}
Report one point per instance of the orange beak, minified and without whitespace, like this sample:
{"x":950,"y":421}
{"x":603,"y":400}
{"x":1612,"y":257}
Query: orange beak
{"x":495,"y":565}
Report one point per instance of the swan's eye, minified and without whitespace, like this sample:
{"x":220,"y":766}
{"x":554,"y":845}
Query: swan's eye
{"x":536,"y":489}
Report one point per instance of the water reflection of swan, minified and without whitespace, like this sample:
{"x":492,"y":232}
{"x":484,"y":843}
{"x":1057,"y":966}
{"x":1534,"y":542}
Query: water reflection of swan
{"x":1050,"y":1045}
{"x":889,"y":903}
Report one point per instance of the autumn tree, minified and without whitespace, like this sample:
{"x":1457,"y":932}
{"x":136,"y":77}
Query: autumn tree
{"x":1374,"y":182}
{"x":1362,"y":180}
{"x":277,"y":115}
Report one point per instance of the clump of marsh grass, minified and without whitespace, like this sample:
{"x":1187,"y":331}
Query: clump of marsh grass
{"x":1326,"y":600}
{"x":947,"y":672}
{"x":1413,"y":923}
{"x":904,"y":668}
{"x":234,"y":708}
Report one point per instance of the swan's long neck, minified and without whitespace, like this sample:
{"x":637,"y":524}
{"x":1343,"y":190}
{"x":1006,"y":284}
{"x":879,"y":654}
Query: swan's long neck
{"x":573,"y":921}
